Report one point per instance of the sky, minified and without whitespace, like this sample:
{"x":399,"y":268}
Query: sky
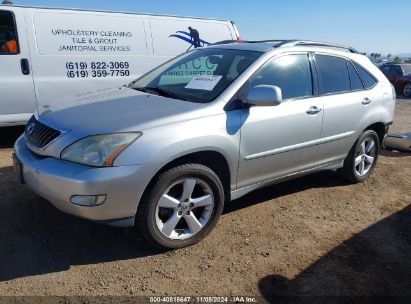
{"x":367,"y":25}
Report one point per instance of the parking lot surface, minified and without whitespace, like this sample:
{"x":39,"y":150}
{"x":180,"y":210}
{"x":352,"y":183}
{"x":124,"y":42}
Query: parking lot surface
{"x":316,"y":235}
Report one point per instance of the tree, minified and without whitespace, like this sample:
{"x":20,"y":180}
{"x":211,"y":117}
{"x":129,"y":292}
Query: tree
{"x":397,"y":59}
{"x":407,"y":60}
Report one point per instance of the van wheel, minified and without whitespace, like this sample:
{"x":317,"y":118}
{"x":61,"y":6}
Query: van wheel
{"x":362,"y":157}
{"x":183,"y":206}
{"x":406,"y":91}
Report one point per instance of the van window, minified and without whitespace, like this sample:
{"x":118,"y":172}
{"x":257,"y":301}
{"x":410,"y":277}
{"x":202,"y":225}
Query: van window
{"x":355,"y":80}
{"x":291,"y":73}
{"x":333,"y":74}
{"x":368,"y":80}
{"x":8,"y":34}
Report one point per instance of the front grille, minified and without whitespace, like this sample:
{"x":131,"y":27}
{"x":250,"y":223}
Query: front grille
{"x":38,"y":134}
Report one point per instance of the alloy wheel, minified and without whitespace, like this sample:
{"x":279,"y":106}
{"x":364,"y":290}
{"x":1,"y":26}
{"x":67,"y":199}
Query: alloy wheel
{"x":407,"y":90}
{"x":184,"y":208}
{"x":365,"y":157}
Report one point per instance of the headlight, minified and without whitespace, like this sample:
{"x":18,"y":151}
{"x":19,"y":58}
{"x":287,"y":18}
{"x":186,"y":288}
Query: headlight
{"x":99,"y":150}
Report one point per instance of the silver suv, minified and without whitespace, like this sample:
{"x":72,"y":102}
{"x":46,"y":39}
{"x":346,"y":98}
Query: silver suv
{"x":167,"y":151}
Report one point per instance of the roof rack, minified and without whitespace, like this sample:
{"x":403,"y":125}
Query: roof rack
{"x":315,"y":43}
{"x":294,"y":42}
{"x":228,"y":42}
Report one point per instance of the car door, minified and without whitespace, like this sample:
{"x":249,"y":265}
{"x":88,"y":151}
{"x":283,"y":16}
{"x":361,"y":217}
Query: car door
{"x":386,"y":71}
{"x":280,"y":140}
{"x":17,"y":101}
{"x":346,"y":92}
{"x":394,"y":74}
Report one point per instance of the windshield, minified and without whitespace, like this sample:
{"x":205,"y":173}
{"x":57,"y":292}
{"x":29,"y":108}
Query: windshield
{"x":197,"y":76}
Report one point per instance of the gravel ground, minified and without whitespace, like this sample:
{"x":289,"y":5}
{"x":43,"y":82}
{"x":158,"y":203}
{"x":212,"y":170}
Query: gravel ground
{"x":313,"y":236}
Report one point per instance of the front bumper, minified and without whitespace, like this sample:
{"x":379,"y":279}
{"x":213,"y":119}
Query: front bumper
{"x":57,"y":181}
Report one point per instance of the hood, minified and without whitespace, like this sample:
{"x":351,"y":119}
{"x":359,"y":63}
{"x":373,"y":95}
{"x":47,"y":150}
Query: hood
{"x":114,"y":110}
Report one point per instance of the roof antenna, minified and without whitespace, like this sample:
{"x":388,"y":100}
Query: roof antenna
{"x":7,"y":2}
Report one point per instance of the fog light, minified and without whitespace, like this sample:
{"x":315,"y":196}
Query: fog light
{"x":88,"y":200}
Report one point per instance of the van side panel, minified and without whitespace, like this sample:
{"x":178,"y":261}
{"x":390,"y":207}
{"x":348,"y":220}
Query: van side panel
{"x":94,"y":52}
{"x":17,"y":99}
{"x":173,"y":36}
{"x":76,"y":52}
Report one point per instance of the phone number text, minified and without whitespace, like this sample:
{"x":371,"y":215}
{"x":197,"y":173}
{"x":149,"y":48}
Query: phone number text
{"x":98,"y":69}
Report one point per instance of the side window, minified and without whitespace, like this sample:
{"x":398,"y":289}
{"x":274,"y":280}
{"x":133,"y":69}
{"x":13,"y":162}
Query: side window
{"x":368,"y":80}
{"x":396,"y":70}
{"x":8,"y":34}
{"x":291,"y":73}
{"x":385,"y":69}
{"x":355,"y":80}
{"x":333,"y":74}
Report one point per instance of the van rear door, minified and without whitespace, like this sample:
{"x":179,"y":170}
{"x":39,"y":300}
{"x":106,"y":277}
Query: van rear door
{"x":17,"y":98}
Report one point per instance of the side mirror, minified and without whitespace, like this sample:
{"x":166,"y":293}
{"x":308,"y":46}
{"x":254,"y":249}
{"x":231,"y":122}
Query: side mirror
{"x":264,"y":96}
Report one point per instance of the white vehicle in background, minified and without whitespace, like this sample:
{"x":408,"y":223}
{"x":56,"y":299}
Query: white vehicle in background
{"x":49,"y":53}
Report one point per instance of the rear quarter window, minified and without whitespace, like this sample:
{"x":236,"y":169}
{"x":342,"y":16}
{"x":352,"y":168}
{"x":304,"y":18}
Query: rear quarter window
{"x":369,"y":80}
{"x":356,"y":83}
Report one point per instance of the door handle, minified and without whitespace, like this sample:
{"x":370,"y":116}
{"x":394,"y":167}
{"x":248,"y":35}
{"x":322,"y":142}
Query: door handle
{"x":25,"y":67}
{"x":366,"y":101}
{"x":313,"y":110}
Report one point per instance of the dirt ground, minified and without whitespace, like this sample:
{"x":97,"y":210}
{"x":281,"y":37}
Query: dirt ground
{"x":315,"y":236}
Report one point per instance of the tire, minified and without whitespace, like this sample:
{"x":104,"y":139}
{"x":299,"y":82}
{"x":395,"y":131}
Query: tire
{"x":182,"y":207}
{"x":406,"y":90}
{"x":358,"y":165}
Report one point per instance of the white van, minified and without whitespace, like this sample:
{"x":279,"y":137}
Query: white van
{"x":49,"y":53}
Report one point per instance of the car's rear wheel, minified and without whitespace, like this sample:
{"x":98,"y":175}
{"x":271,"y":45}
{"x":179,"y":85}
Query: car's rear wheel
{"x":183,"y":206}
{"x":406,"y":91}
{"x":362,"y":157}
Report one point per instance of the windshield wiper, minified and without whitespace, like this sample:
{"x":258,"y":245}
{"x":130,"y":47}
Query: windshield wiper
{"x":160,"y":92}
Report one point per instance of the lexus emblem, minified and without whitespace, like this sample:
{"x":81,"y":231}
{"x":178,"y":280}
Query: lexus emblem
{"x":30,"y":128}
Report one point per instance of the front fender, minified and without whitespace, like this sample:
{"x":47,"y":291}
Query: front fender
{"x":160,"y":146}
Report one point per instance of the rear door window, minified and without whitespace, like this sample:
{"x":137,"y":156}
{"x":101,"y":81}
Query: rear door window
{"x":333,"y":74}
{"x":8,"y":34}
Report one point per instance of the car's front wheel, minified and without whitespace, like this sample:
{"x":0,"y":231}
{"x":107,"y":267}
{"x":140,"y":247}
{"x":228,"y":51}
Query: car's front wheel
{"x":362,"y":157}
{"x":182,"y":207}
{"x":406,"y":91}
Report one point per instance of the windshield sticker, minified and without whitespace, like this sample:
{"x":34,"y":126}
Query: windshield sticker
{"x":206,"y":83}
